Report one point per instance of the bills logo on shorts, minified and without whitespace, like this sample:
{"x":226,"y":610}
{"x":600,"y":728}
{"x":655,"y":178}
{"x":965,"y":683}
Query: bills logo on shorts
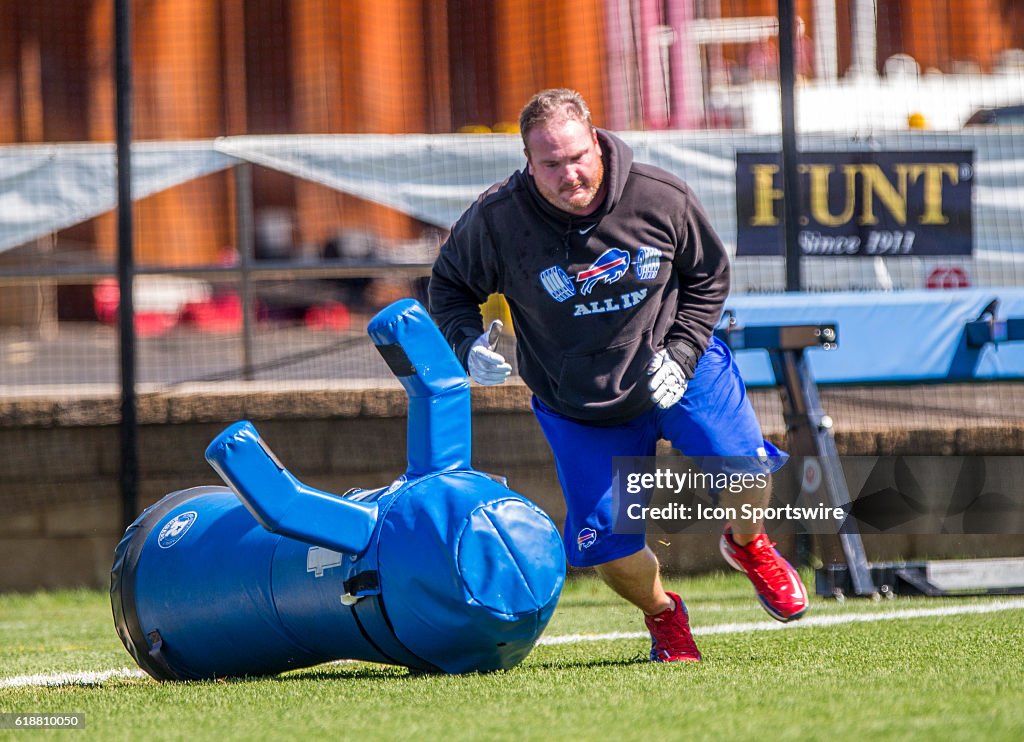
{"x":648,"y":261}
{"x":586,"y":538}
{"x":609,"y":268}
{"x":557,"y":283}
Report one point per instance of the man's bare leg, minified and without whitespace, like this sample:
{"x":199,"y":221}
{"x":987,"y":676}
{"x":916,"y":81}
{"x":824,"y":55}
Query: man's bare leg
{"x":637,"y":578}
{"x":744,"y":531}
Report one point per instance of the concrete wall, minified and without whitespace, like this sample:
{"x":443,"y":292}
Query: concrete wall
{"x":60,"y":509}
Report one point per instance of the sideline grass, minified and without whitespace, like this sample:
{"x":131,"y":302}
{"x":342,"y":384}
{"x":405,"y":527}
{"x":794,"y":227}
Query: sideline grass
{"x":946,"y":677}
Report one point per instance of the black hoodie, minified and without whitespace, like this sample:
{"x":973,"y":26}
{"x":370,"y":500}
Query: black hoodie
{"x":592,"y":298}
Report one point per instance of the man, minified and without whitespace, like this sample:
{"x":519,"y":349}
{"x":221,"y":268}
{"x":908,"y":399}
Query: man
{"x":615,"y":281}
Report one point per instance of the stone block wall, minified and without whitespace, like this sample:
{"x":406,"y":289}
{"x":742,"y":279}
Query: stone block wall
{"x":60,"y":506}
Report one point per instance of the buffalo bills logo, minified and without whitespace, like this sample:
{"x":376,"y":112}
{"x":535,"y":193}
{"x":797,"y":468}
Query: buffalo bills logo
{"x":609,"y":268}
{"x":586,"y":538}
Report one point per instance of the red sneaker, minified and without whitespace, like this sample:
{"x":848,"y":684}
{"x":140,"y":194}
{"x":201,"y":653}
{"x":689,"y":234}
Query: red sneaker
{"x":671,"y":640}
{"x":777,"y":584}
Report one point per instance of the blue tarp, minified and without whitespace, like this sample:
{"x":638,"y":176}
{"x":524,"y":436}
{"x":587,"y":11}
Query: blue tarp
{"x":906,"y":336}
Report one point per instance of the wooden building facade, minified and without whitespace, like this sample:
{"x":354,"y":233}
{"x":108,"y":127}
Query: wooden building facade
{"x":206,"y":68}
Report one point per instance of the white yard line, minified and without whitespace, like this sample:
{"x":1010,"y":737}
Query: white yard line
{"x":896,"y":614}
{"x":809,"y":622}
{"x":70,"y":678}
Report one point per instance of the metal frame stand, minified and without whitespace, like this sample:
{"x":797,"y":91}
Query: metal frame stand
{"x":808,"y":427}
{"x":809,"y":430}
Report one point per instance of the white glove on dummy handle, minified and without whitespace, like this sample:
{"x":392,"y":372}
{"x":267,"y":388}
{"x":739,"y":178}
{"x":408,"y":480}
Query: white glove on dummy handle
{"x":485,"y":365}
{"x":668,"y":382}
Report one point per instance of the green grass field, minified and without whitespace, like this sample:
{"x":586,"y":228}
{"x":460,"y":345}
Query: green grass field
{"x":852,"y":671}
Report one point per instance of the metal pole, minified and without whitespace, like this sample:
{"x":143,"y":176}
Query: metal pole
{"x":809,"y":431}
{"x":246,"y":239}
{"x":865,"y":39}
{"x":686,"y":95}
{"x":826,"y":41}
{"x":790,"y":178}
{"x":125,"y":260}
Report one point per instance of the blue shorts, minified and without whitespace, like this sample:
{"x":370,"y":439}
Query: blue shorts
{"x":713,"y":419}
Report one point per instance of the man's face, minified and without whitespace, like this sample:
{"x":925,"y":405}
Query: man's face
{"x":564,"y":159}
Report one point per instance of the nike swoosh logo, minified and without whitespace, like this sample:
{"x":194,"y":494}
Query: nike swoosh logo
{"x":584,"y":231}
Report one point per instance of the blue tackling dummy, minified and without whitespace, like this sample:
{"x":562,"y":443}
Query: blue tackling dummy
{"x":444,"y":570}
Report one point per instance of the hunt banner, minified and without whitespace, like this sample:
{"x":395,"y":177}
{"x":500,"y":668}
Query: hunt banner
{"x":859,"y":204}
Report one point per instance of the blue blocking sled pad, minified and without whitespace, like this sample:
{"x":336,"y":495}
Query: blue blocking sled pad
{"x":444,"y":570}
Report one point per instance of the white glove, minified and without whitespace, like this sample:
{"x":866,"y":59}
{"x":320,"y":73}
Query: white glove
{"x":485,"y":366}
{"x":668,"y":382}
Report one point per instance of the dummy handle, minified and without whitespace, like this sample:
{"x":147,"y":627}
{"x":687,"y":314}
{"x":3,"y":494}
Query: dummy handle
{"x":281,"y":503}
{"x":439,"y":428}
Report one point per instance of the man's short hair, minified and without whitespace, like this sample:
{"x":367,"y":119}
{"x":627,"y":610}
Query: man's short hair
{"x":551,"y":104}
